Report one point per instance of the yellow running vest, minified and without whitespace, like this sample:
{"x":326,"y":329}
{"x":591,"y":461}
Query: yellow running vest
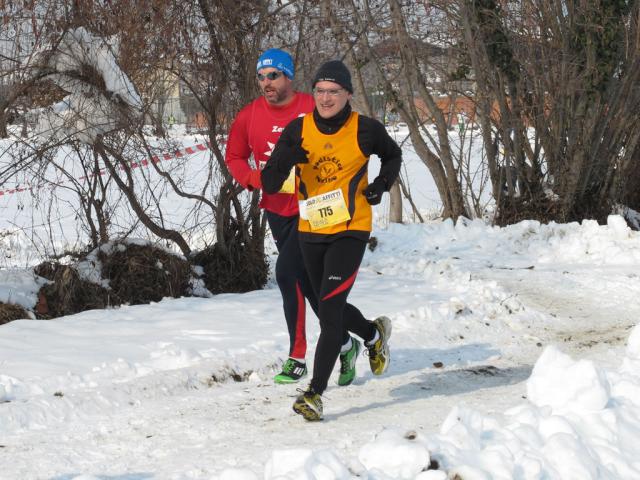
{"x":330,"y":186}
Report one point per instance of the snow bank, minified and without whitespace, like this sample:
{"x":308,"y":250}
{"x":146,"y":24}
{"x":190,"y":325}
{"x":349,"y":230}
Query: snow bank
{"x":580,"y":423}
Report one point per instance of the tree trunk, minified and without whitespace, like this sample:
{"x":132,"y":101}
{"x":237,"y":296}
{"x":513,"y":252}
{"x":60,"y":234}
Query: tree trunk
{"x":3,"y":124}
{"x":395,"y":203}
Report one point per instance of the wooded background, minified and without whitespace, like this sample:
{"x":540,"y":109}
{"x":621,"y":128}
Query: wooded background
{"x":550,"y":88}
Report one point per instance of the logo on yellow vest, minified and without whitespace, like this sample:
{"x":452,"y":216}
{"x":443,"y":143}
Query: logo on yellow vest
{"x":328,"y":168}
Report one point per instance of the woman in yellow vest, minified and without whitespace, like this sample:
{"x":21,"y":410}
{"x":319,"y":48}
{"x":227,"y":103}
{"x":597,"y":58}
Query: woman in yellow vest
{"x":330,"y":150}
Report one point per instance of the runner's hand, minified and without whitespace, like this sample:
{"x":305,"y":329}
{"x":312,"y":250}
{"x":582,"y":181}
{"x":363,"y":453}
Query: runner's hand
{"x":373,"y":192}
{"x":291,"y":155}
{"x":299,"y":153}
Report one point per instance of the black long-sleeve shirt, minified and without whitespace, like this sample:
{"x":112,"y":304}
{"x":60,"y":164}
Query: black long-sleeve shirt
{"x":372,"y":139}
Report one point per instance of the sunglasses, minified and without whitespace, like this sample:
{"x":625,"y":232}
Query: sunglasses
{"x":271,"y":75}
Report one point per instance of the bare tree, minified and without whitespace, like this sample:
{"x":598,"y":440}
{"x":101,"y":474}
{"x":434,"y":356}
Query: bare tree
{"x":557,"y":97}
{"x":210,"y":47}
{"x":102,"y":109}
{"x":20,"y":30}
{"x":393,"y":51}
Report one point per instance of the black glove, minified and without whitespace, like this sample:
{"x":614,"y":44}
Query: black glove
{"x":291,"y":155}
{"x":373,"y":192}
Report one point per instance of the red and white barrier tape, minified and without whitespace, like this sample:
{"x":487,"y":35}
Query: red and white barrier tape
{"x":200,"y":147}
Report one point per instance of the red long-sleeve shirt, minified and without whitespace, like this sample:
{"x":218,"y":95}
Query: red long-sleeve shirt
{"x":255,"y":131}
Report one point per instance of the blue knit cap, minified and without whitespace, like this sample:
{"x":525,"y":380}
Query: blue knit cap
{"x":276,"y":58}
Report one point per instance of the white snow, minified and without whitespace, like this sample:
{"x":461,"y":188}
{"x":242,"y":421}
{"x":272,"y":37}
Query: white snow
{"x":483,"y":382}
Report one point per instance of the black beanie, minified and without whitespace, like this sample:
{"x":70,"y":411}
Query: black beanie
{"x":334,"y":71}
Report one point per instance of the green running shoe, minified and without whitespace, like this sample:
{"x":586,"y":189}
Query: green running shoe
{"x":379,"y":350}
{"x":309,"y":405}
{"x":292,"y":372}
{"x":348,"y":364}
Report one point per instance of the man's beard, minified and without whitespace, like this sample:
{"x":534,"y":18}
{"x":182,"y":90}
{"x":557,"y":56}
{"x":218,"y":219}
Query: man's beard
{"x":275,"y":95}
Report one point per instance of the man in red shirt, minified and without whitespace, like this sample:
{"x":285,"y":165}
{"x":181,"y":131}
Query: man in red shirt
{"x":254,"y":132}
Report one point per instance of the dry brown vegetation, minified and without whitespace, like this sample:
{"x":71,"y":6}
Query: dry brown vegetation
{"x":10,"y":312}
{"x":135,"y":274}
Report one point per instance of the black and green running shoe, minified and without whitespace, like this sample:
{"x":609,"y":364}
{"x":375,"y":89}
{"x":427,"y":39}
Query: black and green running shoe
{"x":309,"y":405}
{"x":378,"y":351}
{"x":348,"y":364}
{"x":292,"y":372}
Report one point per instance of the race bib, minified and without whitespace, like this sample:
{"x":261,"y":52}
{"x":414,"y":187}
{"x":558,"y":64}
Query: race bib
{"x":325,"y":210}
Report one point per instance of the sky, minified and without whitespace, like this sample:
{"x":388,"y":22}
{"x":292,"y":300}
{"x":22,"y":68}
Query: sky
{"x":514,"y":355}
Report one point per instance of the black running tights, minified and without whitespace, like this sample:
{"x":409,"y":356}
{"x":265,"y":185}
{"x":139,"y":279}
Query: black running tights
{"x":332,"y":268}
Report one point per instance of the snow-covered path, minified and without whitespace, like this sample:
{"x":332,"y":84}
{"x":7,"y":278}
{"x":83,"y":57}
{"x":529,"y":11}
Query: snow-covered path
{"x":598,"y":315}
{"x":199,"y":431}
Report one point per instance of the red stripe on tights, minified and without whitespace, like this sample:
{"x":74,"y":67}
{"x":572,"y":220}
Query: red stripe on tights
{"x":343,"y":286}
{"x":300,"y":342}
